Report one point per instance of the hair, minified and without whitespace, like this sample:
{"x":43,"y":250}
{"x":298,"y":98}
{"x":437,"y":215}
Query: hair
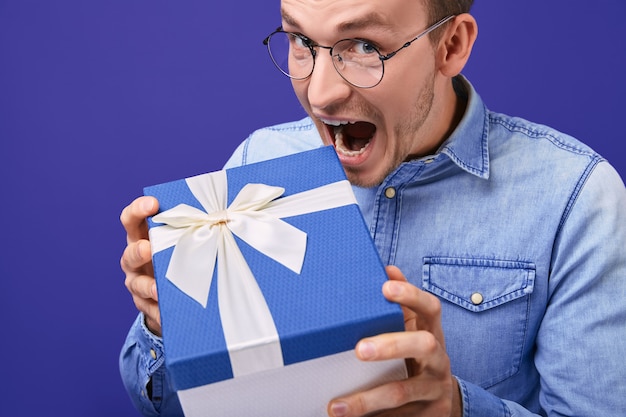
{"x":439,"y":9}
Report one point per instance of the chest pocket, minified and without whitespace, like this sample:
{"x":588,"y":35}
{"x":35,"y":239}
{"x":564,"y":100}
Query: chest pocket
{"x":485,"y":318}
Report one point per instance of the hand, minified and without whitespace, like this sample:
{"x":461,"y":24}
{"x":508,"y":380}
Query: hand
{"x":430,"y":389}
{"x":136,"y":260}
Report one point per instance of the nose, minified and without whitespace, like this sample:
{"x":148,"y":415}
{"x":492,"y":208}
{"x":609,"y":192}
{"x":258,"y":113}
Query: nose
{"x":326,"y":87}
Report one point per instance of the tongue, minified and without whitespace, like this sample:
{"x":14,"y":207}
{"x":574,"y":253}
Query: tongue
{"x":357,"y":135}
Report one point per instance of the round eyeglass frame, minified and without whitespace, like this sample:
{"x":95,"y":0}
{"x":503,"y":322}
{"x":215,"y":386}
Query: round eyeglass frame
{"x":338,"y":58}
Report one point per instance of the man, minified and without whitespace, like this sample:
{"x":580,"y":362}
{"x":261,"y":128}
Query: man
{"x":507,"y":237}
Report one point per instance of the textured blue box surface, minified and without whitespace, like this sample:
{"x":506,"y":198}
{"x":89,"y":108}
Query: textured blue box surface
{"x":335,"y":301}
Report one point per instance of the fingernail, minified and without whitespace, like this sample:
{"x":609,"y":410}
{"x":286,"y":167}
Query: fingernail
{"x":154,"y":291}
{"x":147,"y":204}
{"x":367,"y":350}
{"x":339,"y":409}
{"x":394,"y":289}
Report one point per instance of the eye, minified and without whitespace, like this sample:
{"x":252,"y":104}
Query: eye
{"x":300,"y":41}
{"x":356,"y":50}
{"x":364,"y":47}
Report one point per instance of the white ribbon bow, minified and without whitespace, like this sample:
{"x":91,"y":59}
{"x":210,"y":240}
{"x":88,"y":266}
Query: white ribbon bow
{"x":201,"y":238}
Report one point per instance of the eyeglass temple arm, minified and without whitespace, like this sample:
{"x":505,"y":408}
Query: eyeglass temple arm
{"x":426,"y":32}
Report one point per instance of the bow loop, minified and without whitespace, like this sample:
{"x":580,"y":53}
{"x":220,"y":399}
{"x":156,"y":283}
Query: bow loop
{"x":182,"y":216}
{"x":253,"y":197}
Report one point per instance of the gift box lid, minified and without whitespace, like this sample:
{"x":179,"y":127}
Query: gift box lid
{"x":326,"y":307}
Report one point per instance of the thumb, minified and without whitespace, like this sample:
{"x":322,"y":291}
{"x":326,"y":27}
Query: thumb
{"x":394,"y":273}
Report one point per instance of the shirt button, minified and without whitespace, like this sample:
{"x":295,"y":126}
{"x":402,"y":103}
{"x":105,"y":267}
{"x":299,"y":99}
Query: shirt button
{"x":476,"y":298}
{"x":429,"y":160}
{"x":390,"y":192}
{"x":153,"y":354}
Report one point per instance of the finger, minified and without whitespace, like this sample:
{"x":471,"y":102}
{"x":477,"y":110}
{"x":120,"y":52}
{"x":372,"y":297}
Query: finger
{"x":421,"y":307}
{"x":136,"y":256}
{"x":429,"y":383}
{"x":418,"y":408}
{"x":394,"y":274}
{"x":409,"y":410}
{"x":151,"y":312}
{"x":398,"y":290}
{"x":422,"y":347}
{"x":142,"y":287}
{"x":399,"y":396}
{"x":133,"y":217}
{"x":428,"y":357}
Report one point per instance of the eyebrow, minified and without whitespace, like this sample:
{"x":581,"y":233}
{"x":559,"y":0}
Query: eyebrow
{"x":372,"y":20}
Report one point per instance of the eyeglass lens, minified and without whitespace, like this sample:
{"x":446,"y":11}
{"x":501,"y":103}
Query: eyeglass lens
{"x":356,"y":61}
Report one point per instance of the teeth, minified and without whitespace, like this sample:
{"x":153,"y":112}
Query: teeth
{"x":340,"y":146}
{"x":339,"y":143}
{"x":337,"y":122}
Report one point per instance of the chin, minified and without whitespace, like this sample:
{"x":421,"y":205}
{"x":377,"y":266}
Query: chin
{"x":363,"y":179}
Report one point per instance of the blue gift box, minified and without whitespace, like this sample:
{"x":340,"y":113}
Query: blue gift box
{"x":322,"y":308}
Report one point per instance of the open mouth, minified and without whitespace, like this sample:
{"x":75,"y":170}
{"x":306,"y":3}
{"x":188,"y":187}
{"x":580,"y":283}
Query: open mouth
{"x":351,"y":138}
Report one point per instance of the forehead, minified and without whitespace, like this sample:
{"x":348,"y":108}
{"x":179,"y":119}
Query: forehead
{"x":331,"y":18}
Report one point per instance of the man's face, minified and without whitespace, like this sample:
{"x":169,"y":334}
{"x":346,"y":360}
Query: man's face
{"x":386,"y":124}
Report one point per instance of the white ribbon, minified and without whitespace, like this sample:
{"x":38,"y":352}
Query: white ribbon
{"x":202,"y":237}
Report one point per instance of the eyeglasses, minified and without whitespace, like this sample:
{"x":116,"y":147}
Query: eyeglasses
{"x":357,"y":61}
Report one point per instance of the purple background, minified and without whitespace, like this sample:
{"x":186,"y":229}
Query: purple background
{"x":92,"y":93}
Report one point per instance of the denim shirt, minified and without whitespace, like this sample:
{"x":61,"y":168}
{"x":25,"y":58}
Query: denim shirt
{"x":520,"y":230}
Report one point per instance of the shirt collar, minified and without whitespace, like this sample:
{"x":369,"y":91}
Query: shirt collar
{"x":467,"y":145}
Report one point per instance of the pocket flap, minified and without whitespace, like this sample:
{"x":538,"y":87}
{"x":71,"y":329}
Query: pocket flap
{"x":478,"y":284}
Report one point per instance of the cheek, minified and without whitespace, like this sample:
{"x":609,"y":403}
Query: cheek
{"x":408,"y":76}
{"x":393,"y":105}
{"x":300,"y":89}
{"x":401,"y":92}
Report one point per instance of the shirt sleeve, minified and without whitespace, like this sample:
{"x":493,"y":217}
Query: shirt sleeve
{"x":582,"y":340}
{"x":581,"y":344}
{"x":142,"y":367}
{"x":480,"y":403}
